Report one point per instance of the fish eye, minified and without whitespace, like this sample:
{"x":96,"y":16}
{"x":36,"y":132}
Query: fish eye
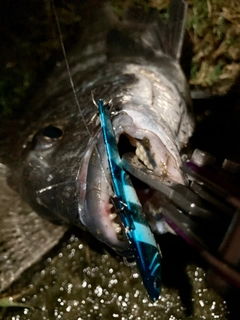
{"x":52,"y":132}
{"x":47,"y":137}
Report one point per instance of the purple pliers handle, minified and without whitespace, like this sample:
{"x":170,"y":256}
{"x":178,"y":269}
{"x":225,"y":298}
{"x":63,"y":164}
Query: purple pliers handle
{"x":219,"y":186}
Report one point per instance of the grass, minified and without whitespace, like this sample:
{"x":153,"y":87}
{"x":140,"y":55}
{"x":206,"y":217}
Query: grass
{"x":215,"y":33}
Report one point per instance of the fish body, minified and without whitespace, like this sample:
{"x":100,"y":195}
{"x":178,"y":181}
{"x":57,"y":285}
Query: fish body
{"x":61,"y":169}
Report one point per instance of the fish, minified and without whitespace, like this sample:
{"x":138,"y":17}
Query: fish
{"x":61,"y":168}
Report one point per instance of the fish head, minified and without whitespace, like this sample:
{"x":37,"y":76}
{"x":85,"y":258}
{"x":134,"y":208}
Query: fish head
{"x":62,"y":168}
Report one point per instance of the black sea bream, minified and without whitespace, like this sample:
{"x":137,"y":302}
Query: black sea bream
{"x":62,"y":169}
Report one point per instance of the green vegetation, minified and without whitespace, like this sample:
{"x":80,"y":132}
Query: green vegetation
{"x":214,"y":30}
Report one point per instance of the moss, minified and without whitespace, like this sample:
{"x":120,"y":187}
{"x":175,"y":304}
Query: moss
{"x":194,"y":70}
{"x":198,"y":19}
{"x":214,"y":74}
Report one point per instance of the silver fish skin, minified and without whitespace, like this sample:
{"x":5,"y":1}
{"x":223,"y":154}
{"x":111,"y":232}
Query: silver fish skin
{"x":61,"y":169}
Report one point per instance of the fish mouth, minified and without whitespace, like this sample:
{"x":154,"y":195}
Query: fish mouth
{"x":99,"y":213}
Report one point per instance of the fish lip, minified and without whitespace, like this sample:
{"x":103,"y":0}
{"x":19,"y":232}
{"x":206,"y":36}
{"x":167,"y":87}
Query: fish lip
{"x":96,"y":186}
{"x":95,"y":196}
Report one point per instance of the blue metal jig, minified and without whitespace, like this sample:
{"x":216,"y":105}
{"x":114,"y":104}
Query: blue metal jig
{"x":145,"y":250}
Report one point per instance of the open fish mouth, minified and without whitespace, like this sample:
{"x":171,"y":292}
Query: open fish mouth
{"x":99,"y":213}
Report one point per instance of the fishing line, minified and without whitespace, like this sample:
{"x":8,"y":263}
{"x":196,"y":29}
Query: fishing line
{"x":74,"y":91}
{"x":68,"y":67}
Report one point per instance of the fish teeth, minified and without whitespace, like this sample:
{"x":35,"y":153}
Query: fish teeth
{"x":143,"y":155}
{"x":117,"y":227}
{"x":112,"y":216}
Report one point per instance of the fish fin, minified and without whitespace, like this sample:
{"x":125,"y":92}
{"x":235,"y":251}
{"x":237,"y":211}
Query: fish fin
{"x":168,"y":38}
{"x":176,"y":27}
{"x":25,"y":237}
{"x":148,"y":35}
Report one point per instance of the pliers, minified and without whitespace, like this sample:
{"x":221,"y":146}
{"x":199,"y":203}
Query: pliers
{"x":205,"y":213}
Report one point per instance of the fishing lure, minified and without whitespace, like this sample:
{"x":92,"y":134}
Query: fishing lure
{"x":143,"y":245}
